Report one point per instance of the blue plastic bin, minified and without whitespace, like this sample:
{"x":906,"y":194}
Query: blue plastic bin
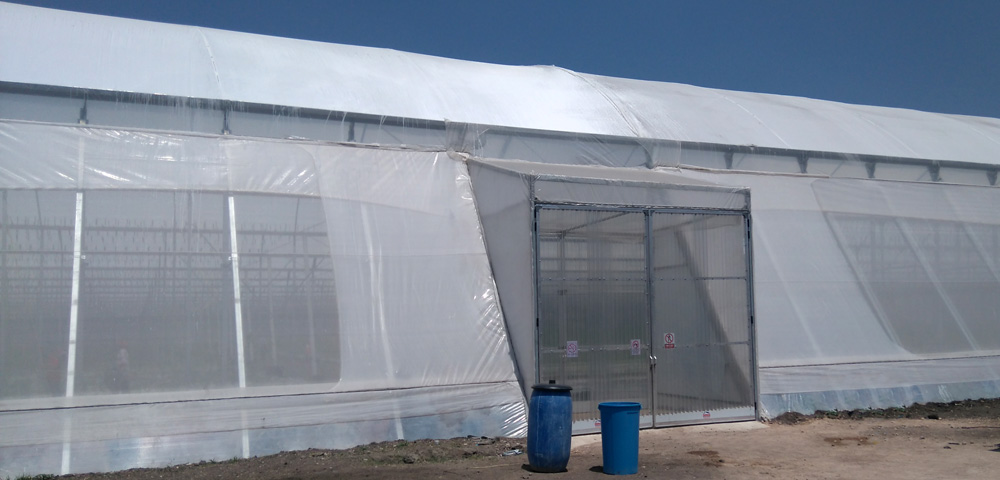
{"x":620,"y":437}
{"x":550,"y":427}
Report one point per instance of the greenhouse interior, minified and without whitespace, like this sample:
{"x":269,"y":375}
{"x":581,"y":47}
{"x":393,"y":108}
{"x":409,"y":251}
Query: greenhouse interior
{"x":218,"y":244}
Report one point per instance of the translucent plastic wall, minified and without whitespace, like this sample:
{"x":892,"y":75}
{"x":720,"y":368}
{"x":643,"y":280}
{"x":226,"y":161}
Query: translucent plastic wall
{"x":168,"y":298}
{"x":873,"y":293}
{"x":625,"y":151}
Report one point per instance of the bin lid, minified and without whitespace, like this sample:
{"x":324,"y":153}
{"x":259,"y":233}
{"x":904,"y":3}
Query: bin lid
{"x":552,"y":387}
{"x":619,"y":406}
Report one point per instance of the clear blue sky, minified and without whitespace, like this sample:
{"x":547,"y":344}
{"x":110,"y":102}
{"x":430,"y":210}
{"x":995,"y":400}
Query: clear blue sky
{"x":933,"y":55}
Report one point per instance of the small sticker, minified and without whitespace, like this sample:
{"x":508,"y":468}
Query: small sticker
{"x":572,"y":349}
{"x":706,"y":415}
{"x":636,"y":346}
{"x":668,"y":340}
{"x":597,"y":423}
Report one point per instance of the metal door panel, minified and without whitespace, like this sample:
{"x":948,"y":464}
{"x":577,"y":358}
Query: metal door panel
{"x":633,"y":302}
{"x":701,"y":317}
{"x":592,"y":305}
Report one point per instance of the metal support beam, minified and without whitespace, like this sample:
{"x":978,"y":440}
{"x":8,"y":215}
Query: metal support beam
{"x":870,"y":168}
{"x":74,"y":297}
{"x":650,"y":312}
{"x":82,"y":120}
{"x":234,"y":258}
{"x":935,"y":172}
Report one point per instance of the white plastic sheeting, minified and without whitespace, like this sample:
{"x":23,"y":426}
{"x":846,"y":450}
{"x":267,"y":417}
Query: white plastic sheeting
{"x":358,"y":278}
{"x":48,"y":47}
{"x":873,"y":293}
{"x":172,"y":298}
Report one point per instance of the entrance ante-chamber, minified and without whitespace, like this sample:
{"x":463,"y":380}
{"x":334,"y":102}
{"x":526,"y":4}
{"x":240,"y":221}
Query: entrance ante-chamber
{"x":646,"y":305}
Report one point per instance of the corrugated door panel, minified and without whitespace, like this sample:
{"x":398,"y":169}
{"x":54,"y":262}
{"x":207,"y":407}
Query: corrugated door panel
{"x":701,"y":322}
{"x":592,"y":306}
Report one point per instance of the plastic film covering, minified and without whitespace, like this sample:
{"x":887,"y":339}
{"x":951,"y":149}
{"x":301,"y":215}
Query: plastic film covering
{"x":173,"y":298}
{"x":507,"y":191}
{"x":156,"y":434}
{"x":49,"y":47}
{"x":873,"y":294}
{"x":597,"y":185}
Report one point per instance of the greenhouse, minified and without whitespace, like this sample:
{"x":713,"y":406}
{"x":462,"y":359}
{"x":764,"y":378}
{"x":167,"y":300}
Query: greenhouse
{"x":217,"y":245}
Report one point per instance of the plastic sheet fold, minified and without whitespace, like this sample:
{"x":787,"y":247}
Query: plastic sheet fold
{"x":49,"y":47}
{"x":871,"y":293}
{"x":238,"y":296}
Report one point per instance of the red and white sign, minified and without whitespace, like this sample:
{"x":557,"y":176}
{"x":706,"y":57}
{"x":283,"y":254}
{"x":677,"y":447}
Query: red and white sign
{"x":636,"y":346}
{"x":572,"y":349}
{"x":706,"y":415}
{"x":668,"y":340}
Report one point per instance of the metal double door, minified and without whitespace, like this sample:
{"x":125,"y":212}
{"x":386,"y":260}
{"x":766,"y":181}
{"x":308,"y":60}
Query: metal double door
{"x":646,"y":305}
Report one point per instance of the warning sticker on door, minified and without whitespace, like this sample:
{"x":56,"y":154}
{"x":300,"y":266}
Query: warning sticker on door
{"x":572,"y":349}
{"x":668,"y":340}
{"x":636,"y":346}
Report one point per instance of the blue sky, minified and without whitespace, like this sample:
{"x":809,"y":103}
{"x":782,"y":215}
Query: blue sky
{"x":939,"y":56}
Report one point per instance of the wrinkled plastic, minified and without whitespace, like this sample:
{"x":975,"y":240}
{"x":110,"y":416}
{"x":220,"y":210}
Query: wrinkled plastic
{"x":358,"y":277}
{"x":48,"y":47}
{"x":366,"y":310}
{"x":873,"y":294}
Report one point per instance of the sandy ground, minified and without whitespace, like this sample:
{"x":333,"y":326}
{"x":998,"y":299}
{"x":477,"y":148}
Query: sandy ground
{"x":941,"y":447}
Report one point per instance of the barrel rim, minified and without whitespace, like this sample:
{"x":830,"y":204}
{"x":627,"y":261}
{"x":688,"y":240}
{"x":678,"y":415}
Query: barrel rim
{"x":552,"y":387}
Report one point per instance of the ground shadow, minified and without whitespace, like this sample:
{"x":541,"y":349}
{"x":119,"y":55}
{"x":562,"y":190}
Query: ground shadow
{"x":527,"y":467}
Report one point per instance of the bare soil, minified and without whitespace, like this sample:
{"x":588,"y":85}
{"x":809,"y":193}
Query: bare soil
{"x":924,"y":441}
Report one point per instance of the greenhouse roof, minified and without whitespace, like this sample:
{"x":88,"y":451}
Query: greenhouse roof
{"x":66,"y":49}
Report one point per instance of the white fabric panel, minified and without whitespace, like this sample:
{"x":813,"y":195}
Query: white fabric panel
{"x":600,"y":185}
{"x":616,"y":192}
{"x":505,"y":212}
{"x":370,"y":263}
{"x":689,"y":113}
{"x":872,"y":293}
{"x":49,"y":47}
{"x":108,"y":438}
{"x":417,"y":298}
{"x":105,"y":53}
{"x":877,"y":384}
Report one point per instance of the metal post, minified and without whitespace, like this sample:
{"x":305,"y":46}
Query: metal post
{"x":238,"y":307}
{"x":650,"y":317}
{"x":71,"y":349}
{"x":75,"y":297}
{"x":752,"y":324}
{"x":4,"y":279}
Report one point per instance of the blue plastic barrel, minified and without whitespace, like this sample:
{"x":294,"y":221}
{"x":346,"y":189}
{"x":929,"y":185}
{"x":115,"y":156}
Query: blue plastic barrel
{"x":550,"y":427}
{"x":620,"y":437}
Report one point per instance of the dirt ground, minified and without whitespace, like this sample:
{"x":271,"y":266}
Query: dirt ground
{"x":933,"y":441}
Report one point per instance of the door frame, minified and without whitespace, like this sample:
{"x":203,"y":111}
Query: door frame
{"x":648,"y":212}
